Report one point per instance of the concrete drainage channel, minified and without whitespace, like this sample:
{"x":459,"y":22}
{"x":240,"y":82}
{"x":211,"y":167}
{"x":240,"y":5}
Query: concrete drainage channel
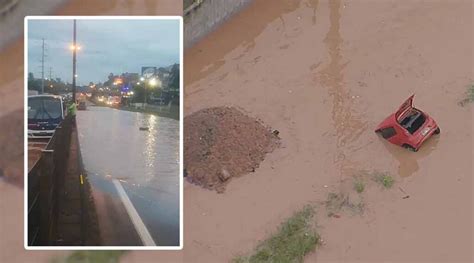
{"x":203,"y":16}
{"x":12,"y":13}
{"x":7,"y":5}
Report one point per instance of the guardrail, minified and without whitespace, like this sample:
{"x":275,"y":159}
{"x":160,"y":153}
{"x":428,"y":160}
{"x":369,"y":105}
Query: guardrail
{"x":43,"y":181}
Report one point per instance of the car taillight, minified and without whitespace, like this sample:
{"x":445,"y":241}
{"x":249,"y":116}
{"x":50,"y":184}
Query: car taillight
{"x":425,"y":131}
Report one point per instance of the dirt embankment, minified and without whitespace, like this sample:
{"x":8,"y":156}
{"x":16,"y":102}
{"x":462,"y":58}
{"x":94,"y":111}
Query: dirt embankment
{"x":221,"y":143}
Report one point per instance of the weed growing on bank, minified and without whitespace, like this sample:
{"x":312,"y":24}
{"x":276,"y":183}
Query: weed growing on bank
{"x":294,"y":239}
{"x":359,"y":185}
{"x":384,"y":179}
{"x":336,"y":202}
{"x":469,"y":96}
{"x":92,"y":257}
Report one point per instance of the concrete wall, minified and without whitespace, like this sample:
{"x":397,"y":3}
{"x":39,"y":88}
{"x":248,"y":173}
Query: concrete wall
{"x":207,"y":16}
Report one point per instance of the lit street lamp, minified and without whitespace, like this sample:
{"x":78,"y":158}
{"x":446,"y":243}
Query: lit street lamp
{"x":153,"y":82}
{"x":74,"y":47}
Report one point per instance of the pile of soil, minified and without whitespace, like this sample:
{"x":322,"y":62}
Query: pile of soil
{"x":221,"y":143}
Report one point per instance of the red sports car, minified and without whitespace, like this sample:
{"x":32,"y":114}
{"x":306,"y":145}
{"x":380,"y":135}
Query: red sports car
{"x":408,"y":127}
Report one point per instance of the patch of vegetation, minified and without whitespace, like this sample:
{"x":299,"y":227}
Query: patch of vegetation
{"x":469,"y":96}
{"x":335,"y":203}
{"x":108,"y":256}
{"x":295,"y":238}
{"x":384,"y":179}
{"x":359,"y":185}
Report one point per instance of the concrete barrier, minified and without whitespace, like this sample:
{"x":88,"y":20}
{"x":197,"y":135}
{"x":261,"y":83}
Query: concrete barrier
{"x":43,"y":181}
{"x":203,"y":16}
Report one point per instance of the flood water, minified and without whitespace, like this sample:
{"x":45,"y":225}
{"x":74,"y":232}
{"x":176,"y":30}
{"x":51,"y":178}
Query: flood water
{"x":146,"y":162}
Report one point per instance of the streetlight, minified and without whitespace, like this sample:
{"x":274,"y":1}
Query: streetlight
{"x":74,"y":47}
{"x":152,"y":82}
{"x":142,"y":79}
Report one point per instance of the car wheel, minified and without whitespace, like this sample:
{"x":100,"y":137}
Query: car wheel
{"x":437,"y":131}
{"x":410,"y":148}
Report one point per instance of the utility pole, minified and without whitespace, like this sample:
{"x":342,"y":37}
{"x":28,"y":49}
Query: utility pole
{"x":74,"y":64}
{"x":42,"y":70}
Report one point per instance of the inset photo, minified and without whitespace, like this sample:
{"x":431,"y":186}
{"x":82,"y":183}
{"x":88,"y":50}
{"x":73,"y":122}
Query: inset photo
{"x":103,"y":132}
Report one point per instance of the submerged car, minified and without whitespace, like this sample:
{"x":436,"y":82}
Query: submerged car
{"x":408,"y":127}
{"x":45,"y":113}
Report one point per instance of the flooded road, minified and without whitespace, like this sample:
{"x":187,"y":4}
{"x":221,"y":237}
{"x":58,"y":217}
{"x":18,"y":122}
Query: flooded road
{"x":144,"y":163}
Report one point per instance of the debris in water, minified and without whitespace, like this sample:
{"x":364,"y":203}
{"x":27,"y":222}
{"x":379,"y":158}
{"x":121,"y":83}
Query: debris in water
{"x":143,"y":128}
{"x":224,"y":175}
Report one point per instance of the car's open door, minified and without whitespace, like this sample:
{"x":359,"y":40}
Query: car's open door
{"x":407,"y":105}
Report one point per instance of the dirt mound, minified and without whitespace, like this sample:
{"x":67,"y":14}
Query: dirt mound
{"x":221,"y":143}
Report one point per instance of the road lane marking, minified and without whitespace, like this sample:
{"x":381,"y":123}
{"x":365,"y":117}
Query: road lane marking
{"x":133,"y":214}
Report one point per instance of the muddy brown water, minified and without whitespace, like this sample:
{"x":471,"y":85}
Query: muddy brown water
{"x":325,"y":74}
{"x":11,"y":99}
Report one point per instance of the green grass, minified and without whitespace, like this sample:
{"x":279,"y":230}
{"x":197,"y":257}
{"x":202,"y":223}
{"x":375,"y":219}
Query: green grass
{"x":359,"y":185}
{"x":470,"y":93}
{"x":106,"y":256}
{"x":384,"y":179}
{"x":294,"y":239}
{"x":469,"y":96}
{"x":335,"y":203}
